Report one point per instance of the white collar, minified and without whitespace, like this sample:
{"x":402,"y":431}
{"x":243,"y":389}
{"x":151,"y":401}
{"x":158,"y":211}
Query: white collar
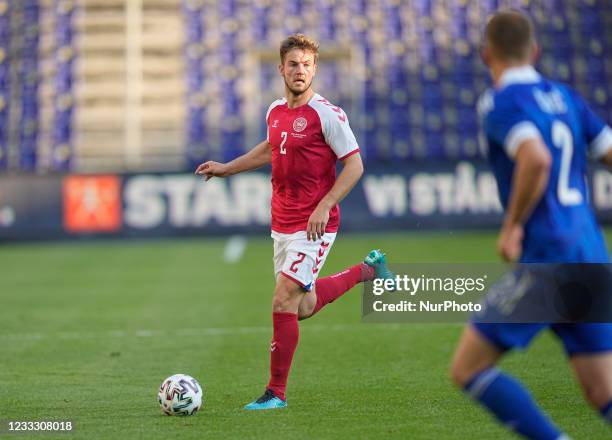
{"x":519,"y":75}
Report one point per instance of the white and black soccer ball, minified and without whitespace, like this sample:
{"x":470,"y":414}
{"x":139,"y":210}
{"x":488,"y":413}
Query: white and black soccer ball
{"x":180,"y":395}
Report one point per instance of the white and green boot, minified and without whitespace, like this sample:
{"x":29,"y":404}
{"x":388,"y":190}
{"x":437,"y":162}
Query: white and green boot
{"x":376,"y":260}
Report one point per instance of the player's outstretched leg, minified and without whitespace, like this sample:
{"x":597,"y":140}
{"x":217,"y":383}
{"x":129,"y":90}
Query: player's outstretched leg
{"x":593,"y":366}
{"x":474,"y":371}
{"x":288,"y":298}
{"x":332,"y":287}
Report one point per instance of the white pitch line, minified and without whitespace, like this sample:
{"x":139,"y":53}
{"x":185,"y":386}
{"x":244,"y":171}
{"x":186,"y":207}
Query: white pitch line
{"x":210,"y":331}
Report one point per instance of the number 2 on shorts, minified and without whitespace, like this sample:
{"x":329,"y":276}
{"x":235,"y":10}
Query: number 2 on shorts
{"x":293,"y":268}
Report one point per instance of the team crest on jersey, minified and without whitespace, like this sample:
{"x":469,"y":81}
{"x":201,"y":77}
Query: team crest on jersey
{"x":299,"y":124}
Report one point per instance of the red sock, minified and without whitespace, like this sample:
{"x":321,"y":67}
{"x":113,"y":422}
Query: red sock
{"x":284,"y":343}
{"x":334,"y":286}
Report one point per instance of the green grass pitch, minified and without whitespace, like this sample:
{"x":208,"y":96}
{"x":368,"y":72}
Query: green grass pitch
{"x":89,"y":330}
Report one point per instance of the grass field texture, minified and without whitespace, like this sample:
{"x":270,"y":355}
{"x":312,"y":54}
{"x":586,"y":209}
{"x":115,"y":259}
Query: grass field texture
{"x":89,"y":330}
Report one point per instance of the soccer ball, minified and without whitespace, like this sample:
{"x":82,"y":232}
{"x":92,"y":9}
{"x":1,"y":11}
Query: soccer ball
{"x":180,"y":395}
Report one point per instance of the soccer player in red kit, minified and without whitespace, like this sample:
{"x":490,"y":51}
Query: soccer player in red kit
{"x":306,"y":136}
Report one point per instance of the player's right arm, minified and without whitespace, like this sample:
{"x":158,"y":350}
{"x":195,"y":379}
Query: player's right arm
{"x":259,"y":156}
{"x":506,"y":124}
{"x":532,"y":163}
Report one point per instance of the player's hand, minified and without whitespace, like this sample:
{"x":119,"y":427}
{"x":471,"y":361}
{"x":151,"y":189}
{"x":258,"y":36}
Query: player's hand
{"x":510,"y":242}
{"x":212,"y":169}
{"x":317,"y":223}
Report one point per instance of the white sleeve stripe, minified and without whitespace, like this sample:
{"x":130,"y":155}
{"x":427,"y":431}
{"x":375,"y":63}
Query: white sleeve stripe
{"x":273,"y":106}
{"x":518,"y":134}
{"x":602,"y":143}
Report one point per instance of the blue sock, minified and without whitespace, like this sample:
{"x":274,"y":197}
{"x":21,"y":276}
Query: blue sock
{"x":512,"y":404}
{"x":606,"y":412}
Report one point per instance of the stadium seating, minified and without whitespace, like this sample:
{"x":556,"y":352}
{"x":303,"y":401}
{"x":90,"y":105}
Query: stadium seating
{"x":163,"y":84}
{"x":5,"y":46}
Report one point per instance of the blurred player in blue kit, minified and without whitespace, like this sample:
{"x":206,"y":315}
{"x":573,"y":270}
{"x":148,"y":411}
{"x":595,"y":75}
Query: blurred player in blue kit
{"x":539,"y":135}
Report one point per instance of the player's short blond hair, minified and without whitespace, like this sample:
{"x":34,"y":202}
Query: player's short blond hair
{"x":510,"y":35}
{"x":299,"y":41}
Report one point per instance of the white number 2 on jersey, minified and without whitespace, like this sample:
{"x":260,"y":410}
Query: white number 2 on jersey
{"x":562,"y":138}
{"x":283,"y":150}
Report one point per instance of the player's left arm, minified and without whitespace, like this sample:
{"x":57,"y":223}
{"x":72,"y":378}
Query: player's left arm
{"x":529,"y":181}
{"x":607,"y":158}
{"x":598,"y":134}
{"x":351,"y":172}
{"x":601,"y":147}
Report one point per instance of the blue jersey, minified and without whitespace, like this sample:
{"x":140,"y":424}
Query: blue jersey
{"x":562,"y":227}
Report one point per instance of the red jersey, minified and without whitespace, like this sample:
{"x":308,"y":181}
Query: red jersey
{"x":306,"y":143}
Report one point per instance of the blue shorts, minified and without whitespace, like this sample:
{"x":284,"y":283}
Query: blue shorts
{"x":572,"y":300}
{"x":576,"y":338}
